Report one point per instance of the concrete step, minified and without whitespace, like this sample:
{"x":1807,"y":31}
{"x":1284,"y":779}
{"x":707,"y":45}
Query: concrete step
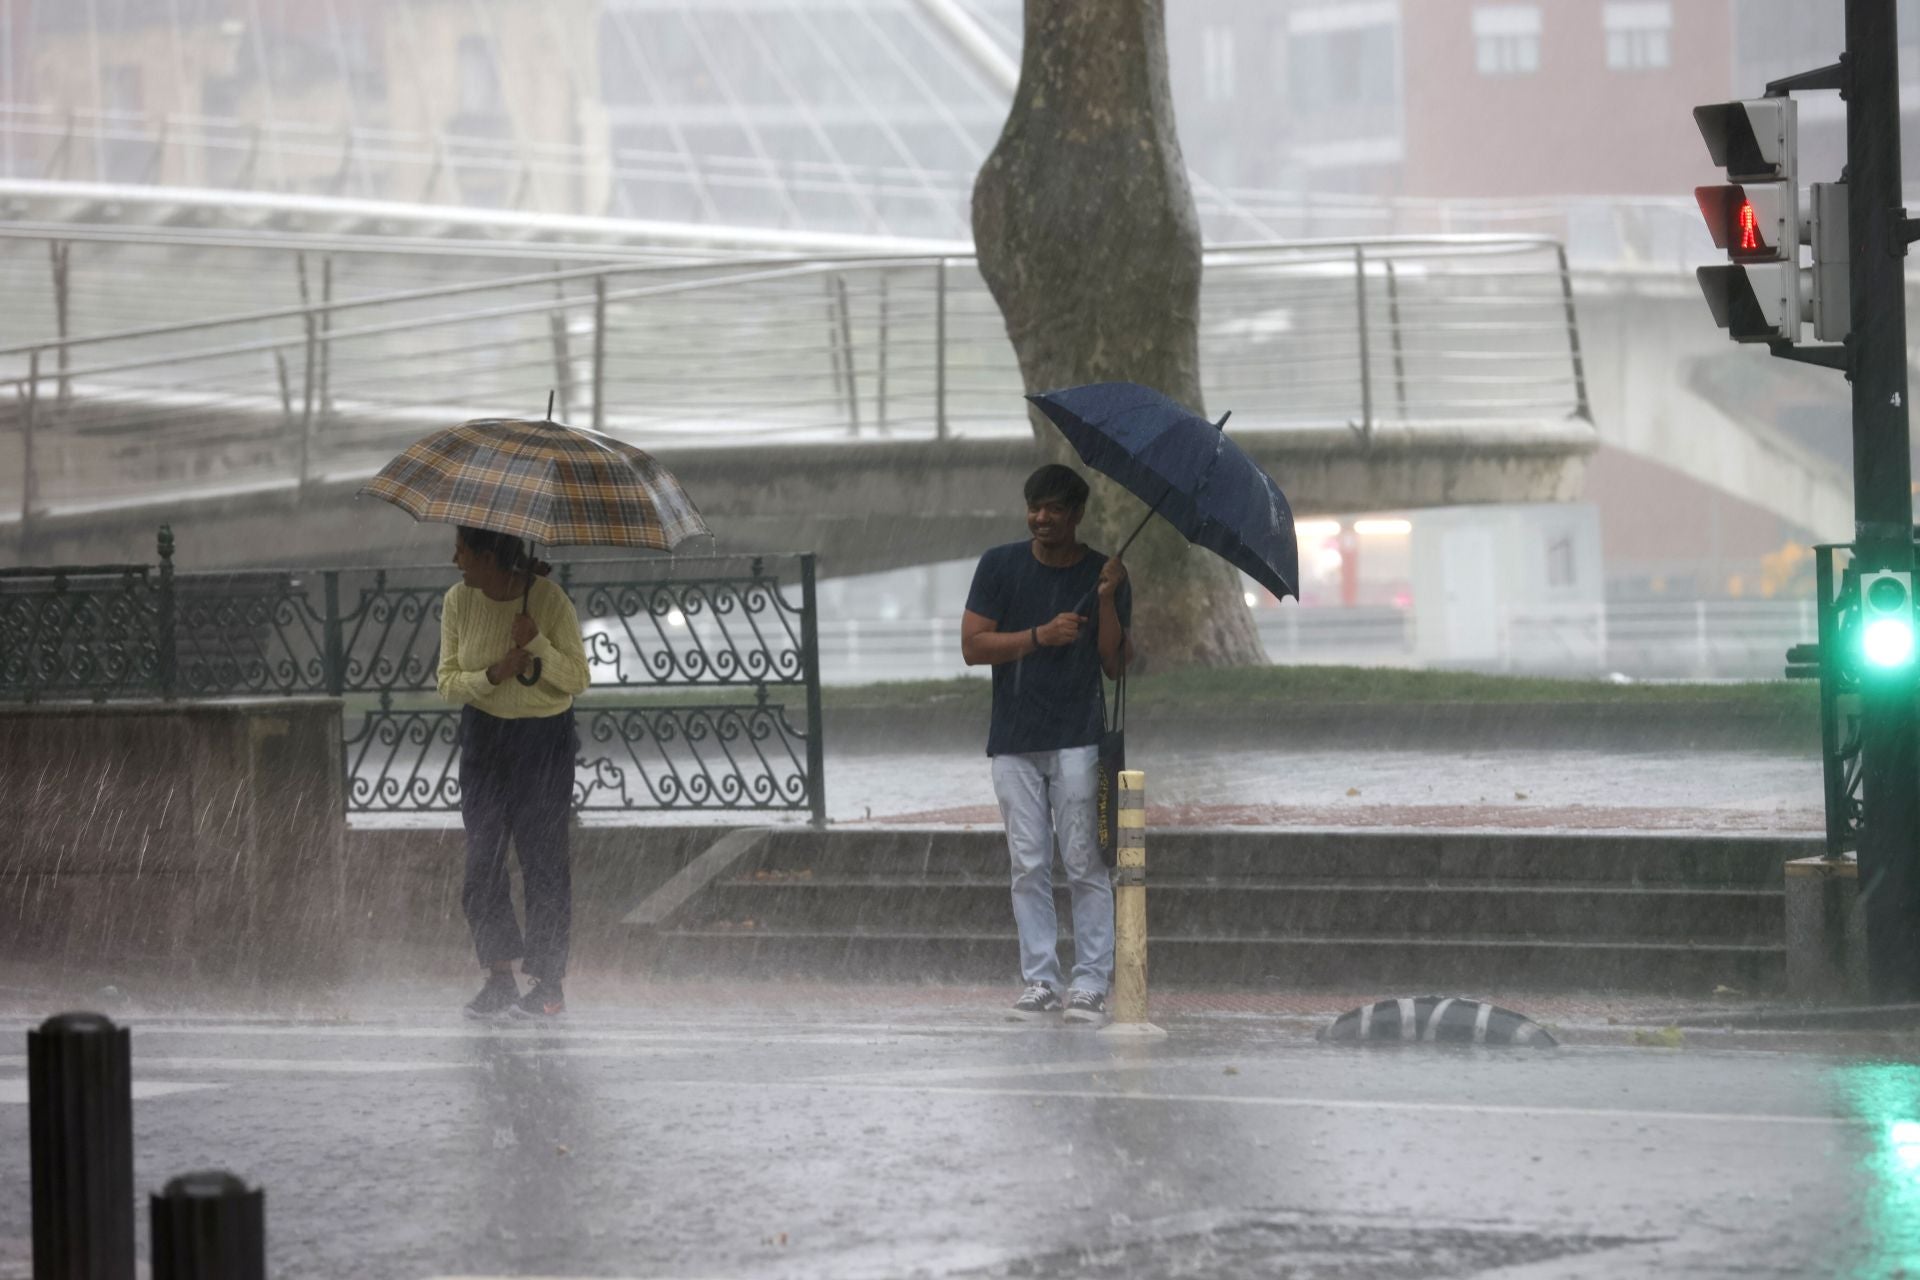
{"x":1465,"y":910}
{"x":1425,"y":963}
{"x":1247,"y":906}
{"x":1423,"y":856}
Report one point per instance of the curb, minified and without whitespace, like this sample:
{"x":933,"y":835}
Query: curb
{"x":1880,"y":1017}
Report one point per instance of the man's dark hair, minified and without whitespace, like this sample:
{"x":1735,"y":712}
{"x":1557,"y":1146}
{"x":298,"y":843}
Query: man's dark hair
{"x":507,"y":551}
{"x":1055,"y":483}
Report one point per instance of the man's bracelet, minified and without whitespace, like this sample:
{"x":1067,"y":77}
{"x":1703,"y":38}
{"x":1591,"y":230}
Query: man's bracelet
{"x":1035,"y":633}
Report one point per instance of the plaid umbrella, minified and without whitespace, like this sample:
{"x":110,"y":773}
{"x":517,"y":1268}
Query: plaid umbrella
{"x":541,"y":481}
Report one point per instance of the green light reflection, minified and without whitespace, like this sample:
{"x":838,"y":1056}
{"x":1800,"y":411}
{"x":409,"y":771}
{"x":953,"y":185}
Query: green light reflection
{"x":1885,"y":1096}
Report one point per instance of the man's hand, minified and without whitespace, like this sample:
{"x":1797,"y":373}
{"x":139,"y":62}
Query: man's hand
{"x":524,"y":630}
{"x":1063,"y":630}
{"x":1112,"y":574}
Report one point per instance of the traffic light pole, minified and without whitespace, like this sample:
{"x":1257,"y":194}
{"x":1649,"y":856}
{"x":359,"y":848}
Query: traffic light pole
{"x":1889,"y":837}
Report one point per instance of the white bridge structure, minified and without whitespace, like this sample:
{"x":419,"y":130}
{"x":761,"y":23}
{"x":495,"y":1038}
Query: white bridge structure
{"x":237,"y":367}
{"x":248,"y":257}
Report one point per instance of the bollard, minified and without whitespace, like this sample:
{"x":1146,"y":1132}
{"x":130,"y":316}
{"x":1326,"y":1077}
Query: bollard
{"x":208,"y":1226}
{"x":1129,"y":1008}
{"x":80,"y":1130}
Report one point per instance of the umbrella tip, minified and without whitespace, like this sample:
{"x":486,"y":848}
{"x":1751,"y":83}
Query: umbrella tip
{"x":1222,"y":424}
{"x":549,"y":405}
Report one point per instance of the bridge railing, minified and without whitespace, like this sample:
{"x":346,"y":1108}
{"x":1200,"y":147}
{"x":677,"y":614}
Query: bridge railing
{"x":741,"y":633}
{"x":302,"y":158}
{"x":1370,"y":335}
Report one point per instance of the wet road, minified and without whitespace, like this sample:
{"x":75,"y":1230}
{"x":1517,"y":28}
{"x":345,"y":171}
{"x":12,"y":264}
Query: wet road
{"x":840,"y":1141}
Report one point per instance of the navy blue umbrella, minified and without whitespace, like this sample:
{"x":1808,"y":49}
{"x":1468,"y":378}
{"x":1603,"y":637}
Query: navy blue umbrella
{"x":1187,"y":471}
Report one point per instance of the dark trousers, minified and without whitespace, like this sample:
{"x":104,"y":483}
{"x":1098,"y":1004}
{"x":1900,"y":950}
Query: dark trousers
{"x":516,"y":782}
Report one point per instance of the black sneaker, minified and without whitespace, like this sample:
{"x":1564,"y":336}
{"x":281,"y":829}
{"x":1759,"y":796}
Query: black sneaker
{"x":1085,"y":1006}
{"x":495,"y":998}
{"x":543,"y":1000}
{"x":1036,"y":1000}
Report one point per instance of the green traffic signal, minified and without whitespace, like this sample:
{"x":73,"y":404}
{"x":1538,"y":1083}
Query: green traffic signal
{"x":1886,"y":639}
{"x":1888,"y":643}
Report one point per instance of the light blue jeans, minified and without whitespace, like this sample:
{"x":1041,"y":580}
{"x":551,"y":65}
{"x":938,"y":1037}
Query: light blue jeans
{"x":1044,"y":795}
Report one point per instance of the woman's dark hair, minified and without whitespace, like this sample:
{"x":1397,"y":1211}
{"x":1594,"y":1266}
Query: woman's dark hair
{"x":1055,"y":483}
{"x":509,"y":552}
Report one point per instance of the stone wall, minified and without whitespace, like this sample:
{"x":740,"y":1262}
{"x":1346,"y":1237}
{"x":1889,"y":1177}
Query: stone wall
{"x":193,"y":841}
{"x":403,"y":895}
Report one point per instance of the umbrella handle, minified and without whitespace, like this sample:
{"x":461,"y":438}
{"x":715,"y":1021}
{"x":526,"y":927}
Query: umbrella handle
{"x":529,"y":678}
{"x":1139,"y":528}
{"x":1086,"y":601}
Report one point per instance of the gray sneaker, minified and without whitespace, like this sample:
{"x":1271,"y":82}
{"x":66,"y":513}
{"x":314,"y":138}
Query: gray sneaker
{"x":1036,"y":1001}
{"x":495,"y":998}
{"x":1086,"y":1006}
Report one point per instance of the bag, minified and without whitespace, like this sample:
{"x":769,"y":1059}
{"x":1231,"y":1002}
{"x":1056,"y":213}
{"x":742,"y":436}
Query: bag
{"x":1113,"y":760}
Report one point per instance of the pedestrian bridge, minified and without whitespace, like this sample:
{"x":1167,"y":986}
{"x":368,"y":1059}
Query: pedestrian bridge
{"x":239,"y":382}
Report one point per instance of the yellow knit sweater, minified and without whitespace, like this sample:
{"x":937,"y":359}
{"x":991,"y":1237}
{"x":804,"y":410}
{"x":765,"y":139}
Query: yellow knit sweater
{"x":476,"y":632}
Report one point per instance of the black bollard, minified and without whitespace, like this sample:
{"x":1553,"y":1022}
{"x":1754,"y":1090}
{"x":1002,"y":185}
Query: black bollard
{"x":80,"y":1129}
{"x":208,"y":1226}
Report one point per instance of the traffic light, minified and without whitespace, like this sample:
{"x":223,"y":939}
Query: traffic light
{"x":1832,"y":280}
{"x":1755,"y":217}
{"x":1886,"y":620}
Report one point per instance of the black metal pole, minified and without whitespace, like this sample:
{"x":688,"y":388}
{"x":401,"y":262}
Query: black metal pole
{"x":166,"y":621}
{"x":208,"y":1226}
{"x":1882,"y":491}
{"x":810,"y":671}
{"x":80,"y":1129}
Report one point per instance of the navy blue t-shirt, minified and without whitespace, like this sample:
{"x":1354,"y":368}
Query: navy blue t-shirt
{"x":1051,"y":698}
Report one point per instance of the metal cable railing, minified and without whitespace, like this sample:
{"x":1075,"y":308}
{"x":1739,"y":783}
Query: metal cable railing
{"x":187,"y":150}
{"x":286,"y":368}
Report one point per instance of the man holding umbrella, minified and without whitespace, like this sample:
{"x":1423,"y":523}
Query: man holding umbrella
{"x":1027,"y":617}
{"x":1046,"y":674}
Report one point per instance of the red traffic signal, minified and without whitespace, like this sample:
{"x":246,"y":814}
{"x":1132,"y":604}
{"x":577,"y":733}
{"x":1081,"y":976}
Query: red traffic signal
{"x":1749,"y":221}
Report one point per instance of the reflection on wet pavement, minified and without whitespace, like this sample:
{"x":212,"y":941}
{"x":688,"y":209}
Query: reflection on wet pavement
{"x":828,"y":1138}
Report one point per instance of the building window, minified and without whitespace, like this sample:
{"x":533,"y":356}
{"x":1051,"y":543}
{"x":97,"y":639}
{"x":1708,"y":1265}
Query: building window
{"x":478,"y":79}
{"x":1340,"y":69}
{"x":1639,"y":35}
{"x":123,"y":90}
{"x":1506,"y":39}
{"x":1216,"y":56}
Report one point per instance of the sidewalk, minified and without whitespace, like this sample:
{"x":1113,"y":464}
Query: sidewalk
{"x":1598,"y":1018}
{"x":1532,"y":790}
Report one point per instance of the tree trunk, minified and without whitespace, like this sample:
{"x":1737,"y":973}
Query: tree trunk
{"x":1088,"y":237}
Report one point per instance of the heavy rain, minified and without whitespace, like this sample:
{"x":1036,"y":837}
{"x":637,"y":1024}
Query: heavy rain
{"x":957,"y":638}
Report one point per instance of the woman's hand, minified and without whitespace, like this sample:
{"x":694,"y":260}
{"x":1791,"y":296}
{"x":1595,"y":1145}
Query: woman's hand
{"x":1112,"y":574}
{"x":525,"y":630}
{"x":516,"y":662}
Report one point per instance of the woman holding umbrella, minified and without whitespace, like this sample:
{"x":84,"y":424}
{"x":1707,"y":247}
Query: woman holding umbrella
{"x":511,"y":655}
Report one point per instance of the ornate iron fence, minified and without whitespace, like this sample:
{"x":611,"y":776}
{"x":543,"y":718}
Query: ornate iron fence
{"x":80,"y":631}
{"x":719,"y":625}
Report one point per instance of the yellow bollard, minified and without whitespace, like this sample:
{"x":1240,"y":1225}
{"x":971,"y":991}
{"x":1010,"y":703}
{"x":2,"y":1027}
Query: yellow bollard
{"x":1130,"y":913}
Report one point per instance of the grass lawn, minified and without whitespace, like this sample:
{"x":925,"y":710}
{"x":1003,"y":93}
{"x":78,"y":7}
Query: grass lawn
{"x":1250,"y":689}
{"x":1246,"y":688}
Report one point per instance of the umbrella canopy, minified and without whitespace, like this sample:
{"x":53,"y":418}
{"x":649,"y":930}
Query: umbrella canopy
{"x":542,"y":481}
{"x":1187,"y":470}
